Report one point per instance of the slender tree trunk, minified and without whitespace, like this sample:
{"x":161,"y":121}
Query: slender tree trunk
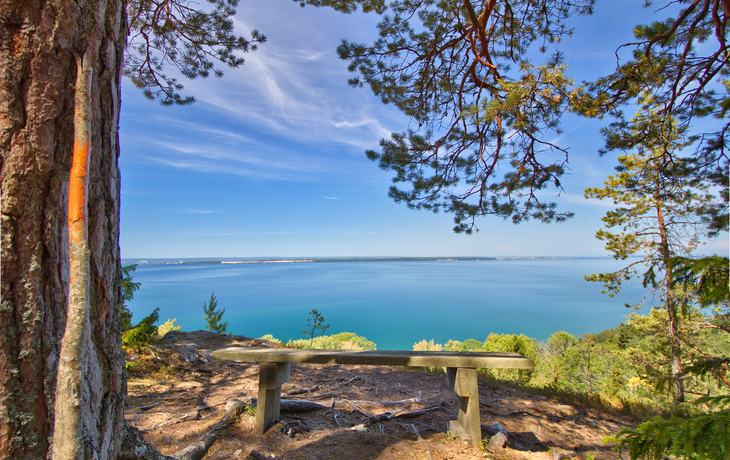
{"x":39,"y":44}
{"x":671,"y":305}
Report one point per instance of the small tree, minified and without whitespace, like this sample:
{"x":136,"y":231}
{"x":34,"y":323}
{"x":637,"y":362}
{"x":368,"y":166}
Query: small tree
{"x":213,"y":316}
{"x":128,"y":289}
{"x":659,"y":213}
{"x":314,"y":322}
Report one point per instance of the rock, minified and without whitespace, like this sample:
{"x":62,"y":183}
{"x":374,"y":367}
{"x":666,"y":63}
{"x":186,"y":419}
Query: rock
{"x":498,"y":441}
{"x":188,"y":353}
{"x":205,"y":356}
{"x":563,"y":454}
{"x":491,"y":430}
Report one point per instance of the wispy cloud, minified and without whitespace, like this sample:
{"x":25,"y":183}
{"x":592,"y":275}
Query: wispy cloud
{"x":302,"y":95}
{"x":200,"y":211}
{"x":330,"y":198}
{"x":580,"y":199}
{"x":231,"y":233}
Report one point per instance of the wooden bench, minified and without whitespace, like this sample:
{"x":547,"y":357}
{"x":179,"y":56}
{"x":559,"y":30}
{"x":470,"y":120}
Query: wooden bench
{"x":461,"y":375}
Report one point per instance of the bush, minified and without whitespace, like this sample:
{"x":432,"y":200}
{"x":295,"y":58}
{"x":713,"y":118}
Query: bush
{"x":167,"y":326}
{"x":341,"y":341}
{"x":424,"y":345}
{"x":271,"y":338}
{"x":142,"y":334}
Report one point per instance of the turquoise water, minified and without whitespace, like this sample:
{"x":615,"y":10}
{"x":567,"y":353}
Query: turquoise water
{"x":393,"y":303}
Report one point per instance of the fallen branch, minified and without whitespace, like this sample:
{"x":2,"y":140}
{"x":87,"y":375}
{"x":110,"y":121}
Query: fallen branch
{"x":372,"y":419}
{"x":287,"y":405}
{"x":357,"y":377}
{"x":300,"y":391}
{"x":194,"y":415}
{"x":320,"y":396}
{"x":519,"y":412}
{"x":198,"y":449}
{"x":402,"y":402}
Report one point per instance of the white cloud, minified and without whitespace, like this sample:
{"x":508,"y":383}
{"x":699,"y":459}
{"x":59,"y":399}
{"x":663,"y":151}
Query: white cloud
{"x":200,"y":211}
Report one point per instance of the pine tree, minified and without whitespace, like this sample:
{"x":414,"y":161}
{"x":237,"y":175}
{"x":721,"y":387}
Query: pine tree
{"x":181,"y":34}
{"x":213,"y":316}
{"x":682,"y":61}
{"x":704,"y":435}
{"x":658,"y":214}
{"x":315,"y":322}
{"x":484,"y":112}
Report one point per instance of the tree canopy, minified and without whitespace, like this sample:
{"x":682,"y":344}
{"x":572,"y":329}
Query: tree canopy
{"x":484,"y":110}
{"x":484,"y":105}
{"x":181,"y":34}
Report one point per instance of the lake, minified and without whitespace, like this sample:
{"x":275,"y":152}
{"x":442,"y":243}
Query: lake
{"x":392,"y":303}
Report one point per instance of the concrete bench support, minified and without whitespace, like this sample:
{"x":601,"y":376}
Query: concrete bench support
{"x":271,"y":377}
{"x":461,"y":375}
{"x":464,"y":383}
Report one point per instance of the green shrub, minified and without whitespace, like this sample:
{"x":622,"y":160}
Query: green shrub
{"x":341,"y":341}
{"x":167,"y":326}
{"x":142,"y":334}
{"x":270,"y":338}
{"x":424,"y":345}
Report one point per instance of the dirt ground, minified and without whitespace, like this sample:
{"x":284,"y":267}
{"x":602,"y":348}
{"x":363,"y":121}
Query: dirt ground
{"x":176,"y":393}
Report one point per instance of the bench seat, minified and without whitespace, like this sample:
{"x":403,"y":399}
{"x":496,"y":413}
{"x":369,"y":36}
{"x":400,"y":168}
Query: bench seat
{"x":460,"y":367}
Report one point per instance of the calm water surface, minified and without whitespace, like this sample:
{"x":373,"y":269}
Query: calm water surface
{"x":392,"y":303}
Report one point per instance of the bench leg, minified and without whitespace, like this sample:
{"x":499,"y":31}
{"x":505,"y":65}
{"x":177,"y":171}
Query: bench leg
{"x":271,"y":377}
{"x":464,"y":382}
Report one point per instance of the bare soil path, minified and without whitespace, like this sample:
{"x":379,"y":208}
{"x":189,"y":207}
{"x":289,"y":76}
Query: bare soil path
{"x":178,"y":392}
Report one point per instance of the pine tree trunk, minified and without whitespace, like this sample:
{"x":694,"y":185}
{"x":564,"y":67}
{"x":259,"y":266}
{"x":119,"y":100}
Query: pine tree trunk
{"x":40,"y":41}
{"x":675,"y":343}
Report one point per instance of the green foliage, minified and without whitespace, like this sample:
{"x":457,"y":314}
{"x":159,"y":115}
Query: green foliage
{"x":427,"y":345}
{"x":213,"y":316}
{"x":143,"y":333}
{"x":314,"y":322}
{"x":182,"y":34}
{"x":680,"y":61}
{"x":485,"y":114}
{"x":704,"y":436}
{"x":129,"y":287}
{"x":659,"y":213}
{"x":707,"y":277}
{"x":167,"y":326}
{"x":270,"y":338}
{"x":341,"y":341}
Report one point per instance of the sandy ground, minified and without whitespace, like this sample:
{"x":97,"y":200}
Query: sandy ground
{"x":177,"y":394}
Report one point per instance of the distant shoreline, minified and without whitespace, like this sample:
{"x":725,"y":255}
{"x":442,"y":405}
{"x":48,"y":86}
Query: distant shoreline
{"x":242,"y":260}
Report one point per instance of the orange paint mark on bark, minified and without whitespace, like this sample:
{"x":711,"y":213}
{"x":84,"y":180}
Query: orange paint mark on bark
{"x":77,"y":190}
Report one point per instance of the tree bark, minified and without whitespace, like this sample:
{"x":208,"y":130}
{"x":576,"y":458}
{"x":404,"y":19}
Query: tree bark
{"x":675,"y":343}
{"x":40,"y":41}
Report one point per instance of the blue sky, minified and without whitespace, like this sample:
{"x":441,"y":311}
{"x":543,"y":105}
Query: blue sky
{"x":269,"y":162}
